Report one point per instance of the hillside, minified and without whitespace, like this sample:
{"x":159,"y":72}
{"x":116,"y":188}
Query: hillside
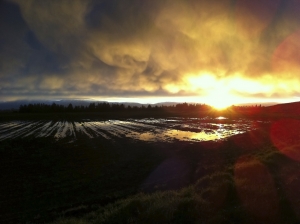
{"x":285,"y":108}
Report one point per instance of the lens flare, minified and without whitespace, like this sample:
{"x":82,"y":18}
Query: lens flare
{"x":285,"y":136}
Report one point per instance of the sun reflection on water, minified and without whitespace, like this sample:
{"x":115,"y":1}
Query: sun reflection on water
{"x":172,"y":134}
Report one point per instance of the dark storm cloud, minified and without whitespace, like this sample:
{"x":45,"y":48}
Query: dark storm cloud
{"x":117,"y":48}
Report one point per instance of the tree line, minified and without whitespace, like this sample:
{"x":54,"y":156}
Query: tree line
{"x":107,"y":107}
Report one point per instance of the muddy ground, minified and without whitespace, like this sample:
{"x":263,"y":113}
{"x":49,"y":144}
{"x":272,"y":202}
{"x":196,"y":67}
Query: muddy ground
{"x":147,"y":129}
{"x":67,"y":168}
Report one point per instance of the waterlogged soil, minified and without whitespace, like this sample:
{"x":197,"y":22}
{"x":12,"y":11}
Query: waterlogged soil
{"x":68,"y":168}
{"x":150,"y":130}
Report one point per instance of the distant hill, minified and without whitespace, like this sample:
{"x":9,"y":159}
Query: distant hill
{"x":267,"y":104}
{"x":285,"y":108}
{"x":166,"y":104}
{"x":15,"y":105}
{"x":288,"y":108}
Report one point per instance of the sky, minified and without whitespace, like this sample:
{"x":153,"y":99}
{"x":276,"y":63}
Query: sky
{"x":206,"y":51}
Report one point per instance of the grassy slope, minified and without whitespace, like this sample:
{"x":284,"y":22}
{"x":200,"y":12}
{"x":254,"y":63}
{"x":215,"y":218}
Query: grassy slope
{"x":245,"y":185}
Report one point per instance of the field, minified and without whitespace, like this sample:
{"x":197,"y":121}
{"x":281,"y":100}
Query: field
{"x":163,"y":170}
{"x":167,"y":129}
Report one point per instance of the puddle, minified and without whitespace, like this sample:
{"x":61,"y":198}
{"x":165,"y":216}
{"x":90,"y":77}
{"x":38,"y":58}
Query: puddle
{"x":173,"y":135}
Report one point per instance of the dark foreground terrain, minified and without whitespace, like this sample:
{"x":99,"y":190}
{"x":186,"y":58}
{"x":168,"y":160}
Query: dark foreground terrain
{"x":246,"y":178}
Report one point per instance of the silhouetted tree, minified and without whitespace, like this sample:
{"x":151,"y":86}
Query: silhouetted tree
{"x":70,"y":108}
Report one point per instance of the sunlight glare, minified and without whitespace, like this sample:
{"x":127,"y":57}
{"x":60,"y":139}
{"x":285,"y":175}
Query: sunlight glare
{"x":217,"y":92}
{"x":220,"y":98}
{"x":203,"y":81}
{"x":222,"y":93}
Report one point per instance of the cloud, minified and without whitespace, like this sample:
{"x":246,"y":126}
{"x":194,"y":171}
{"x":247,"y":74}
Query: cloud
{"x":141,"y":48}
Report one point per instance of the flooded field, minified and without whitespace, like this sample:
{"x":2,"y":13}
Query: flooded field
{"x":150,"y":129}
{"x":69,"y":168}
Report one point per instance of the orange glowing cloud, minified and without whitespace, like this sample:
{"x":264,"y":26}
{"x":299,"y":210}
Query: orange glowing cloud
{"x":171,"y":48}
{"x":252,"y":17}
{"x":286,"y":57}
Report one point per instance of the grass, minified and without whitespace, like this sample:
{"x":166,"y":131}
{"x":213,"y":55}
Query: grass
{"x":205,"y":202}
{"x":213,"y":199}
{"x":42,"y":177}
{"x":246,"y":187}
{"x":160,"y":207}
{"x":99,"y":181}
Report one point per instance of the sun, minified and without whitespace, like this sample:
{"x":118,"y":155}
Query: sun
{"x":216,"y":92}
{"x":220,"y":97}
{"x":219,"y":93}
{"x":219,"y":105}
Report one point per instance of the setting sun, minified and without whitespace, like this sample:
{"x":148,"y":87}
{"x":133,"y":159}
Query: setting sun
{"x":220,"y":99}
{"x":217,"y":93}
